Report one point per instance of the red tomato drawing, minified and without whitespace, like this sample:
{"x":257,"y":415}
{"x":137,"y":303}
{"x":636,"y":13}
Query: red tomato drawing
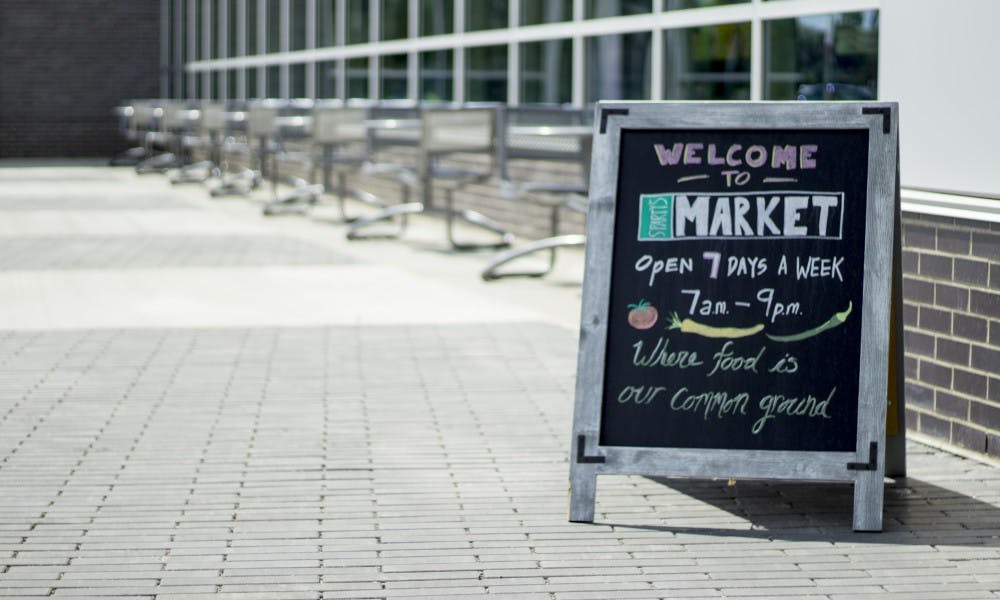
{"x":642,"y":315}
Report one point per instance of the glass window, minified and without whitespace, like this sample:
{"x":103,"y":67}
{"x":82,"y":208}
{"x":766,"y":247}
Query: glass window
{"x":216,"y":82}
{"x":485,"y":15}
{"x":357,"y":22}
{"x":297,"y":24}
{"x":297,"y":81}
{"x":486,"y":74}
{"x":707,"y":63}
{"x":251,"y":83}
{"x":679,"y":4}
{"x":194,"y":35}
{"x":534,"y":12}
{"x":393,"y":73}
{"x":231,"y":87}
{"x":212,"y":29}
{"x":172,"y":62}
{"x":327,"y":75}
{"x":437,"y":17}
{"x":357,"y":78}
{"x":253,"y":43}
{"x":595,"y":9}
{"x":394,"y":17}
{"x":824,"y":57}
{"x":232,"y":31}
{"x":618,"y":67}
{"x":273,"y":82}
{"x":547,"y":71}
{"x":274,"y":25}
{"x":436,"y":78}
{"x":326,"y":24}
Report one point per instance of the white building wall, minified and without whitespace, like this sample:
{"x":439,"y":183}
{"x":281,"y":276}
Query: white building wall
{"x":938,"y":59}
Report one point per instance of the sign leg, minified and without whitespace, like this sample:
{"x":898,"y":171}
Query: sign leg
{"x":582,"y":492}
{"x":869,"y":493}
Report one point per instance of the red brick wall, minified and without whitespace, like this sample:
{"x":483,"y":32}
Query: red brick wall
{"x":65,"y":64}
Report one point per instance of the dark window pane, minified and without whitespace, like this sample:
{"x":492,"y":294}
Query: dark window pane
{"x":273,"y":82}
{"x":393,"y":73}
{"x":253,"y":45}
{"x":437,"y":17}
{"x":395,"y":19}
{"x":273,"y":25}
{"x":436,"y":79}
{"x":707,"y":63}
{"x":194,"y":35}
{"x":357,"y":78}
{"x":297,"y":81}
{"x":615,"y":8}
{"x":251,"y":82}
{"x":231,"y":86}
{"x":824,"y":57}
{"x":357,"y":21}
{"x":232,"y":31}
{"x":326,"y":23}
{"x":326,"y":79}
{"x":297,"y":24}
{"x":485,"y":15}
{"x":486,"y":74}
{"x":534,"y":12}
{"x":546,"y":71}
{"x":618,"y":67}
{"x":211,"y":27}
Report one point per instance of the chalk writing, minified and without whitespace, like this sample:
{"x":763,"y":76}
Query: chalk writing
{"x":726,"y":360}
{"x":789,"y":157}
{"x":797,"y":406}
{"x":660,"y":355}
{"x":794,"y":214}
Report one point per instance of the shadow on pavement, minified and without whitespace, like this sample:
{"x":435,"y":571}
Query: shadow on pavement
{"x":916,"y":513}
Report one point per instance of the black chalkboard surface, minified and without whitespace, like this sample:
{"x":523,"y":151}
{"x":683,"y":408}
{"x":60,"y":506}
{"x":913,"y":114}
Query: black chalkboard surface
{"x":734,"y":314}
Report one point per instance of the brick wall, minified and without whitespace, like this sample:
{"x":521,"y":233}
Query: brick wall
{"x":951,"y":288}
{"x":65,"y":65}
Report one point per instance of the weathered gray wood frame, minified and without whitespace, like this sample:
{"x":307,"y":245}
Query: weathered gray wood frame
{"x":588,"y":459}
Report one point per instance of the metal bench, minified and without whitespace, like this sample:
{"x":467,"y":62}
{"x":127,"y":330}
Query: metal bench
{"x":441,"y":133}
{"x":249,"y":142}
{"x":205,"y":138}
{"x":129,"y":130}
{"x":291,"y":142}
{"x":339,"y":148}
{"x":176,"y":120}
{"x":534,"y":140}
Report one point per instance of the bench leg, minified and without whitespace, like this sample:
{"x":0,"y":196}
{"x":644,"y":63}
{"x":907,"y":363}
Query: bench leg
{"x":299,"y":200}
{"x":198,"y":172}
{"x":356,"y":229}
{"x":492,"y":271}
{"x":477,"y":219}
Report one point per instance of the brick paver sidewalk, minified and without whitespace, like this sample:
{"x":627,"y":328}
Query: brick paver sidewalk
{"x":411,"y":449}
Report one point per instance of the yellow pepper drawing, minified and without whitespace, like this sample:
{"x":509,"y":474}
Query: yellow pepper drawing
{"x":689,"y":326}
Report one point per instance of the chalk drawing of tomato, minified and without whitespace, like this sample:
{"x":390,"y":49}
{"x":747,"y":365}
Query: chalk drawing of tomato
{"x":642,"y":315}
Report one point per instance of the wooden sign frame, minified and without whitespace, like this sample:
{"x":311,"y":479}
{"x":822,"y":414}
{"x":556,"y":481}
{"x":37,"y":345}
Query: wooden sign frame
{"x":865,"y":466}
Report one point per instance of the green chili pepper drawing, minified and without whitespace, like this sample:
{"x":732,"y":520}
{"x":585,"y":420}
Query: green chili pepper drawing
{"x":832,"y":322}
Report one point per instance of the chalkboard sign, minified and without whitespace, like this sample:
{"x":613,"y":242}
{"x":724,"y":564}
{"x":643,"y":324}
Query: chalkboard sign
{"x":737,"y":294}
